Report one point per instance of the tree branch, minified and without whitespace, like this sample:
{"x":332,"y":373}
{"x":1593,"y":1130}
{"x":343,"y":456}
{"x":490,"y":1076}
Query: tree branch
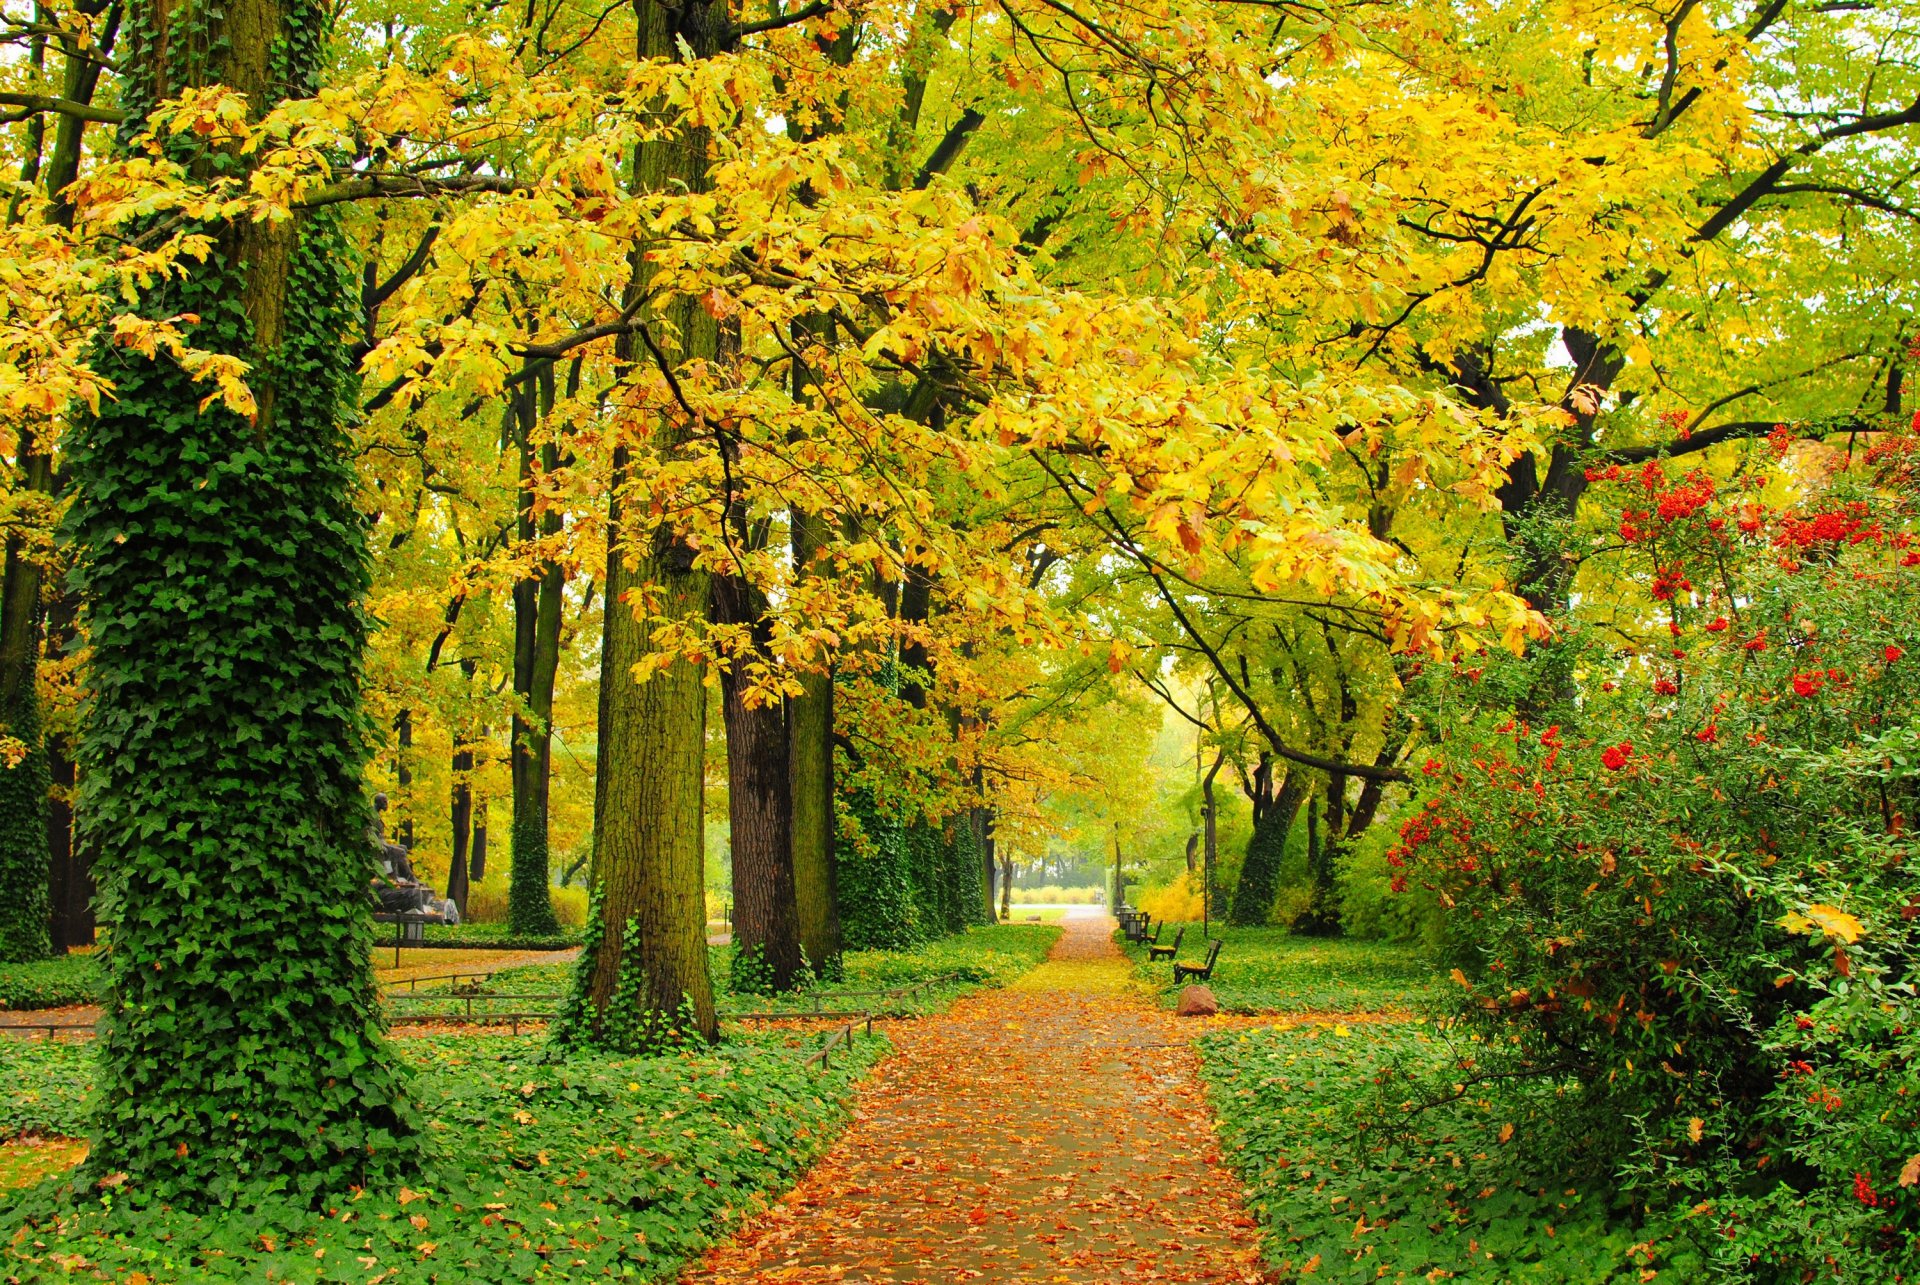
{"x":64,"y":107}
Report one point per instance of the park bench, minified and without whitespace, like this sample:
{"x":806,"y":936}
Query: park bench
{"x":408,"y":925}
{"x":1156,"y":951}
{"x":1199,"y":972}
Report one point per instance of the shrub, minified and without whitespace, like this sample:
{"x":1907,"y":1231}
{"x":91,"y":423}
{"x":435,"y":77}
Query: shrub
{"x":487,"y":903}
{"x":1684,"y":874}
{"x":1174,"y":903}
{"x":1054,"y":895}
{"x":570,"y":907}
{"x":51,"y":983}
{"x":1371,"y":909}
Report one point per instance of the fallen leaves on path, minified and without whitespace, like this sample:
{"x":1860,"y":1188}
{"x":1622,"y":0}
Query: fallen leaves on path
{"x":1054,"y":1131}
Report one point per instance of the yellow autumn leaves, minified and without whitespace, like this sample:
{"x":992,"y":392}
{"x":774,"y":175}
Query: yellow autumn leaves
{"x":1835,"y":924}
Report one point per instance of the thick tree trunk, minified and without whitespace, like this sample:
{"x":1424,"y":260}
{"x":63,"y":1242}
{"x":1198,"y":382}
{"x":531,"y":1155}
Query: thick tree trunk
{"x":988,"y":862}
{"x":72,"y":890}
{"x":1260,"y":872}
{"x":810,"y":778}
{"x":240,"y":1048}
{"x":646,"y":979}
{"x":981,"y":819}
{"x":766,"y":920}
{"x":537,"y":603}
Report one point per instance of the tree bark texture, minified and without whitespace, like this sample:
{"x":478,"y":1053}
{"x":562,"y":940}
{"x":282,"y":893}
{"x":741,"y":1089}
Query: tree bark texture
{"x":649,"y":832}
{"x":766,"y":919}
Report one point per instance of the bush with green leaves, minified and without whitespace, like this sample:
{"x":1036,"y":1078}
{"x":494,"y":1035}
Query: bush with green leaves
{"x":599,"y":1167}
{"x":51,"y":983}
{"x":1450,"y":1194}
{"x":1681,"y":873}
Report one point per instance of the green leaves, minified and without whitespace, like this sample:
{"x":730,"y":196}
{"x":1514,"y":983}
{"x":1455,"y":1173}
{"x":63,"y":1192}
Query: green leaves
{"x":1352,"y":1186}
{"x":598,"y":1167}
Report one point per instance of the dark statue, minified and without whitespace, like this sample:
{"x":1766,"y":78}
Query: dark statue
{"x":395,"y":886}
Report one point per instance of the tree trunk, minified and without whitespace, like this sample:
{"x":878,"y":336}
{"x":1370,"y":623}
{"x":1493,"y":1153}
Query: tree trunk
{"x":537,"y":603}
{"x":477,"y":854}
{"x":1210,"y":852}
{"x":987,"y":860}
{"x":33,"y":913}
{"x":1272,"y":822}
{"x":766,"y":920}
{"x":981,"y":819}
{"x":461,"y":824}
{"x":810,"y":782}
{"x":646,"y":984}
{"x":72,"y":885}
{"x":240,"y":1040}
{"x":1006,"y":887}
{"x":403,"y":777}
{"x":1324,"y":846}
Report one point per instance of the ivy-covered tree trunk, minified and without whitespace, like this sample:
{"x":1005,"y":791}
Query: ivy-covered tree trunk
{"x":766,"y":918}
{"x":537,"y":602}
{"x":811,"y":791}
{"x":878,"y":908}
{"x":223,"y":564}
{"x":643,"y":982}
{"x":1259,"y":884}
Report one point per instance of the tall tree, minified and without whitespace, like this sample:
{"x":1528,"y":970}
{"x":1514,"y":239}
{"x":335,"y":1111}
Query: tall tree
{"x":811,"y":787}
{"x":222,"y":563}
{"x":537,"y":602}
{"x":767,"y":956}
{"x":643,"y":979}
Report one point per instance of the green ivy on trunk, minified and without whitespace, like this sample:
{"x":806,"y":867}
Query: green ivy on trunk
{"x":222,"y":564}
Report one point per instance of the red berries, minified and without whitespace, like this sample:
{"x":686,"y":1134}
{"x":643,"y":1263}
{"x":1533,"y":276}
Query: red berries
{"x":1615,"y":756}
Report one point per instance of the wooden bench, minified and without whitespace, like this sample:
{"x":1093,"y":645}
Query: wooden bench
{"x":1198,"y":972}
{"x":1156,"y":951}
{"x":408,"y":925}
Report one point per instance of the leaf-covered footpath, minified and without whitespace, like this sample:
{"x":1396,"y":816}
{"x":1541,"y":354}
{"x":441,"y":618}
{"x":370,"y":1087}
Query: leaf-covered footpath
{"x":1052,"y":1131}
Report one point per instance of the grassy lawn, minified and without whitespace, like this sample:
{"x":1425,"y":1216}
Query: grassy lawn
{"x":1269,"y":970}
{"x":597,"y":1167}
{"x":979,"y":957}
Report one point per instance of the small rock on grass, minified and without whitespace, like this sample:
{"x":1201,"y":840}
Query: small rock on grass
{"x":1197,"y":1001}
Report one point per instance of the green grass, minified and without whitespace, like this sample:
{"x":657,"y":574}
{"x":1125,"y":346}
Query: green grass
{"x":1350,"y":1186}
{"x":592,"y":1168}
{"x":1268,"y":970}
{"x":50,"y":983}
{"x":977,"y":958}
